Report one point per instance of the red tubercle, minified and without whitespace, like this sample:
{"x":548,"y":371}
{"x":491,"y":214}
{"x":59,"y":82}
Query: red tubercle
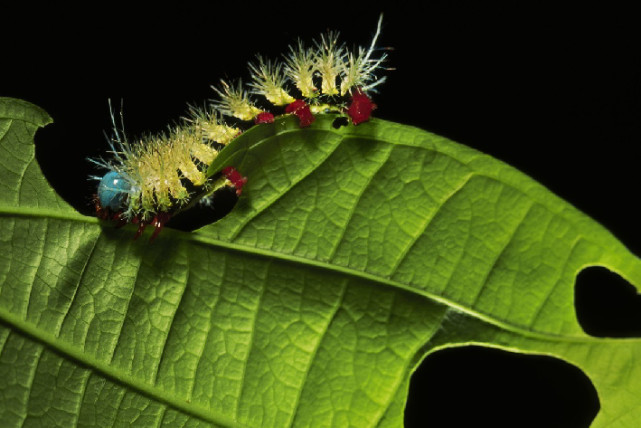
{"x":237,"y":180}
{"x":301,"y":109}
{"x":264,"y":117}
{"x":360,"y":109}
{"x":292,"y":107}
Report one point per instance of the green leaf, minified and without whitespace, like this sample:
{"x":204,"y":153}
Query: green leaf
{"x":352,"y":254}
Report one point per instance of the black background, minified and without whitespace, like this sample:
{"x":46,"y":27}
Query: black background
{"x":555,"y":92}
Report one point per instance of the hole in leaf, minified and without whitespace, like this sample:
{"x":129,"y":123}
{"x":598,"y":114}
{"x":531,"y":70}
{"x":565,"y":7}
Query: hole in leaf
{"x":477,"y":386}
{"x":340,"y":122}
{"x":203,"y":214}
{"x":606,"y":304}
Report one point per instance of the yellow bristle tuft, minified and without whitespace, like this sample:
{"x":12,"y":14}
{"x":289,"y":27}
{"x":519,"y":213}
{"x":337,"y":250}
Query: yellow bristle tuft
{"x":234,"y":101}
{"x":329,"y":62}
{"x":269,"y":82}
{"x":300,"y":66}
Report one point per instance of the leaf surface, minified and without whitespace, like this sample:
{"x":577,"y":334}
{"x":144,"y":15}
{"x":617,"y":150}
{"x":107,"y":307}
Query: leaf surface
{"x":352,"y":254}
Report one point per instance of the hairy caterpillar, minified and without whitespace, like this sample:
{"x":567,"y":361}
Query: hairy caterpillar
{"x":151,"y":179}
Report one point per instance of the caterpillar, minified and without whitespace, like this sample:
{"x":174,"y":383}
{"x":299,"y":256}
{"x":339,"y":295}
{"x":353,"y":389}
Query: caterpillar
{"x":152,"y":178}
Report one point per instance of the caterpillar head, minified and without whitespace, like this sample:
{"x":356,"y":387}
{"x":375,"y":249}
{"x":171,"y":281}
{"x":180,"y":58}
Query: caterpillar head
{"x":113,"y":191}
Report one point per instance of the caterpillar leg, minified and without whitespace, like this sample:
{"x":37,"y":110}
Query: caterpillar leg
{"x":158,"y":223}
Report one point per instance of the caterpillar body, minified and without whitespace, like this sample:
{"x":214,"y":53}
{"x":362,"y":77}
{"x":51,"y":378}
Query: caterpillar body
{"x":151,"y":179}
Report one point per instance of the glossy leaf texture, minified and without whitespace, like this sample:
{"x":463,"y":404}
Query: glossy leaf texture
{"x":352,"y":254}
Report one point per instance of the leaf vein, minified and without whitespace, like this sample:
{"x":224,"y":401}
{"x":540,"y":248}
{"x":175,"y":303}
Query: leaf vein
{"x":80,"y":279}
{"x":243,"y":224}
{"x":500,"y":254}
{"x":428,"y":221}
{"x":83,"y":392}
{"x":557,"y":282}
{"x":124,"y":315}
{"x":163,"y":353}
{"x":32,"y":376}
{"x":41,"y":255}
{"x":6,"y":129}
{"x":162,"y":416}
{"x":419,"y":350}
{"x":252,"y":337}
{"x":330,"y":321}
{"x":269,"y":254}
{"x":201,"y":358}
{"x":356,"y":200}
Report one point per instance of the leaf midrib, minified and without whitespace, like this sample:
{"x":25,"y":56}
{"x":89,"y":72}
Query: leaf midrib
{"x":69,"y":351}
{"x":9,"y":211}
{"x":204,"y":239}
{"x":310,"y":263}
